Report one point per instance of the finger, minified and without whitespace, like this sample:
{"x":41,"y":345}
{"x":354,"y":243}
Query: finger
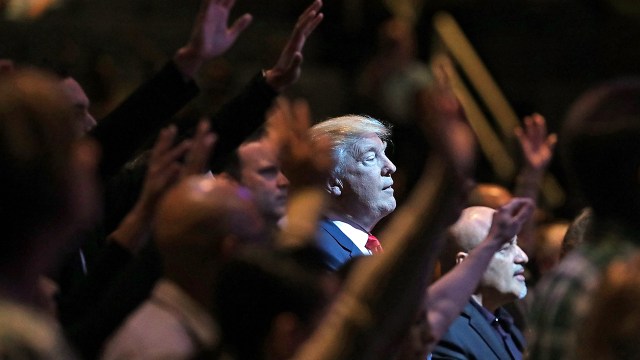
{"x":514,"y":205}
{"x":174,"y":154}
{"x":205,"y":9}
{"x":170,"y":175}
{"x":528,"y":127}
{"x":277,"y":123}
{"x":163,"y":143}
{"x":302,"y":113}
{"x":284,"y":106}
{"x":240,"y":25}
{"x":198,"y":155}
{"x":521,"y":208}
{"x":314,"y":7}
{"x":295,"y":44}
{"x":551,"y":142}
{"x":227,"y":3}
{"x":538,"y":128}
{"x":295,"y":64}
{"x":312,"y":23}
{"x":307,"y":22}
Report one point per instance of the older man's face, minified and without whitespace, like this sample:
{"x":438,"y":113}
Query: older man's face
{"x":505,"y":273}
{"x":367,"y":185}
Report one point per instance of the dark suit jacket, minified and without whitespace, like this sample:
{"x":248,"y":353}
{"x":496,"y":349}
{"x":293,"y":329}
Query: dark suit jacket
{"x":472,"y":337}
{"x":336,"y":247}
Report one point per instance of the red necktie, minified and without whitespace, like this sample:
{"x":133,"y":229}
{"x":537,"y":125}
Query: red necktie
{"x":373,"y":245}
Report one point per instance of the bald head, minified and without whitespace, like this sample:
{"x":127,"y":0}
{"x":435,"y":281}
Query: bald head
{"x":472,"y":227}
{"x":199,"y":213}
{"x":490,"y":195}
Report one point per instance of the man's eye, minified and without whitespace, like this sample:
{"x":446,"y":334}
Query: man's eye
{"x":268,"y":172}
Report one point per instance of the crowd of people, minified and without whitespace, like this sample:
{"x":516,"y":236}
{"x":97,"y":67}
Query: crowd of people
{"x":251,"y":233}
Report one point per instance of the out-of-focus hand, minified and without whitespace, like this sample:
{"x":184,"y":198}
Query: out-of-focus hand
{"x":444,"y":123}
{"x":287,"y":69}
{"x":304,"y":162}
{"x":164,"y":169}
{"x":197,"y":159}
{"x":165,"y":165}
{"x":536,"y":145}
{"x":210,"y":36}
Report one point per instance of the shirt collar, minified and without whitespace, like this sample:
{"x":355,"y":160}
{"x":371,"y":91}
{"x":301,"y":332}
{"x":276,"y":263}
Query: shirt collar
{"x":358,"y":236}
{"x":500,"y":315}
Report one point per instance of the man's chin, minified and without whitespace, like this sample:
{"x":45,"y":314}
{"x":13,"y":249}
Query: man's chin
{"x":391,"y":207}
{"x":522,"y":293}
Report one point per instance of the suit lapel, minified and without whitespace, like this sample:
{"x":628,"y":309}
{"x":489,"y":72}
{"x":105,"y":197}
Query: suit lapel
{"x":480,"y":325}
{"x":516,"y":334}
{"x":341,"y":238}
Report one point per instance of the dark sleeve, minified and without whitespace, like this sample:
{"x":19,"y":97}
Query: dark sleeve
{"x":240,"y":117}
{"x":110,"y":261}
{"x":143,"y":113}
{"x":130,"y":288}
{"x":450,"y":347}
{"x":448,"y":351}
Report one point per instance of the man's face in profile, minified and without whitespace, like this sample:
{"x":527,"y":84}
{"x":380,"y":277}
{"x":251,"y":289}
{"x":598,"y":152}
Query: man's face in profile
{"x":260,"y":172}
{"x":366,"y":181}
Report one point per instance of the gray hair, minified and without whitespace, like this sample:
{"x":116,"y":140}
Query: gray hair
{"x":344,"y":132}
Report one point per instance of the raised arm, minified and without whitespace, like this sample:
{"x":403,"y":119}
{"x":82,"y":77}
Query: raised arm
{"x":537,"y":148}
{"x":153,"y":104}
{"x":241,"y":116}
{"x":163,"y":171}
{"x":287,"y":69}
{"x":116,"y":284}
{"x":210,"y":36}
{"x":448,"y":295}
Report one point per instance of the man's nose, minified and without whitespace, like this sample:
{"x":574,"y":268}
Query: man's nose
{"x":521,"y":256}
{"x":282,"y":180}
{"x":389,"y":167}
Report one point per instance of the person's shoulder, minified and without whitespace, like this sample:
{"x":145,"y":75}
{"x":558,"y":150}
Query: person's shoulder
{"x":574,"y":275}
{"x":28,"y":334}
{"x":561,"y":300}
{"x":150,"y":329}
{"x":457,"y":342}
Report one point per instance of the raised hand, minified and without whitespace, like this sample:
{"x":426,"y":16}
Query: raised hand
{"x":197,"y":159}
{"x":508,"y":219}
{"x":304,"y":162}
{"x":164,"y":170}
{"x":163,"y":167}
{"x":536,"y":145}
{"x":287,"y":70}
{"x":210,"y":36}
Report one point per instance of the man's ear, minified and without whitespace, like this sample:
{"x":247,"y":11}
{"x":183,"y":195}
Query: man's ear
{"x":334,"y":186}
{"x":460,"y":256}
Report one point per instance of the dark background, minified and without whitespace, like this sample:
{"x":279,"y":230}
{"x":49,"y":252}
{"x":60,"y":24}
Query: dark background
{"x":542,"y":53}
